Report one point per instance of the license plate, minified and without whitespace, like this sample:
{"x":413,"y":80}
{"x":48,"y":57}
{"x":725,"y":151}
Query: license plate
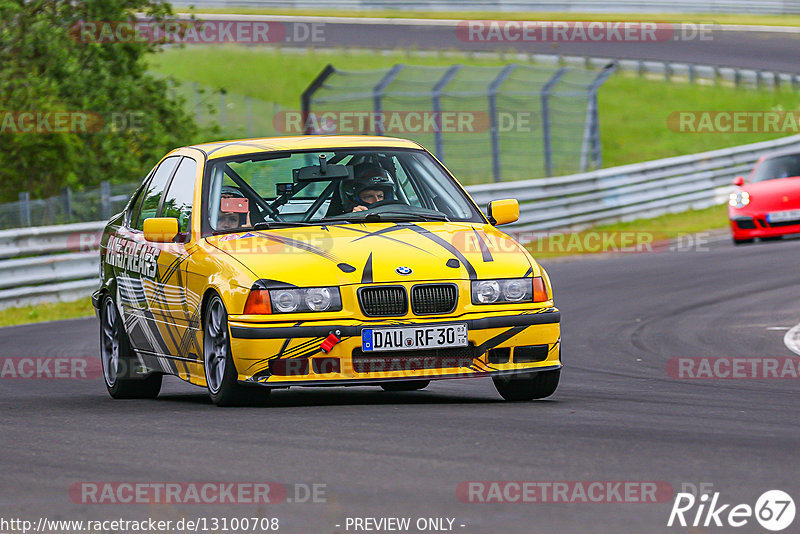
{"x":783,"y":216}
{"x":414,"y":337}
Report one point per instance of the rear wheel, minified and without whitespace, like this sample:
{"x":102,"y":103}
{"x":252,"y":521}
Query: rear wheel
{"x":222,"y":378}
{"x":527,"y":386}
{"x":405,"y":385}
{"x":772,"y":238}
{"x":117,"y":359}
{"x":741,"y":241}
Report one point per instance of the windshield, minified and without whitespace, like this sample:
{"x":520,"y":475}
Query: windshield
{"x":337,"y":186}
{"x":778,"y":167}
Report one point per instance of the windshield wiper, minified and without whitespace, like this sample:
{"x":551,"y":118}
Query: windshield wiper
{"x":281,"y":224}
{"x":400,"y":217}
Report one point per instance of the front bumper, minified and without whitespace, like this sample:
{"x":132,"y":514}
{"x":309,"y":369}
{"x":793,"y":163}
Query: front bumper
{"x":283,"y":354}
{"x":753,"y":226}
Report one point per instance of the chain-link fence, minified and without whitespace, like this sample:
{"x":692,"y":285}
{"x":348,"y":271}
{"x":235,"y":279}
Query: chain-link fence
{"x":503,"y":123}
{"x":222,"y":114}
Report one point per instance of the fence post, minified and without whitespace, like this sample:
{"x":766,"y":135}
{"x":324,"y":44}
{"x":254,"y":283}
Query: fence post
{"x":24,"y":209}
{"x":737,"y":77}
{"x":377,"y":95}
{"x":305,"y":98}
{"x":196,"y":94}
{"x":222,"y":108}
{"x":248,"y":111}
{"x":105,"y":200}
{"x":546,"y":137}
{"x":667,"y":71}
{"x":66,"y":194}
{"x":591,"y":139}
{"x":691,"y":73}
{"x":493,"y":88}
{"x":437,"y":109}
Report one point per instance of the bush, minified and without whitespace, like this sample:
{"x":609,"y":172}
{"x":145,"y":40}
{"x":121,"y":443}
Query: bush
{"x":120,"y":119}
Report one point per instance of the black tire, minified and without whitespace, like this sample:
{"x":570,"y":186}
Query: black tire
{"x":222,"y":379}
{"x":405,"y":385}
{"x":118,"y":359}
{"x":742,"y":241}
{"x":771,"y":238}
{"x":527,"y":386}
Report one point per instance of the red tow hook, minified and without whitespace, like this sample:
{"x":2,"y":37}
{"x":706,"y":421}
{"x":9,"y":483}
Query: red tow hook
{"x":333,"y":338}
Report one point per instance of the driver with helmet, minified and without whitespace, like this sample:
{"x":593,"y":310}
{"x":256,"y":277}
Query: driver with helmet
{"x":371,"y":184}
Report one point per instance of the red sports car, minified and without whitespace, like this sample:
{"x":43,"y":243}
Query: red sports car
{"x":767,"y":204}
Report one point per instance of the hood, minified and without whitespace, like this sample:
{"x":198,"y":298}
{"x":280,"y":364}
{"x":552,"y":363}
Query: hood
{"x":378,"y":252}
{"x":781,"y":193}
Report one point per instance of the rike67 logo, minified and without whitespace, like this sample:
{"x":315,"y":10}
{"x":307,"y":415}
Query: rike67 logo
{"x":774,"y":510}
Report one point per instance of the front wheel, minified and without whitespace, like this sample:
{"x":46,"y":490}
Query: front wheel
{"x":222,"y":378}
{"x":405,"y":385}
{"x":737,"y":242}
{"x":527,"y":386}
{"x":117,"y":359}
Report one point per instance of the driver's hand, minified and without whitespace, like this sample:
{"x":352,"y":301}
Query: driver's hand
{"x":359,"y":208}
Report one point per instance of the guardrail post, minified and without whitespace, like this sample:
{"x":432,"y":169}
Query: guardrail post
{"x":494,"y":87}
{"x":640,"y":68}
{"x":692,"y":74}
{"x":759,"y":80}
{"x":24,"y":209}
{"x":105,"y":200}
{"x":776,"y":80}
{"x":437,"y":109}
{"x":717,"y":76}
{"x":66,"y":195}
{"x":547,"y":143}
{"x":737,"y":77}
{"x":667,"y":71}
{"x":377,"y":96}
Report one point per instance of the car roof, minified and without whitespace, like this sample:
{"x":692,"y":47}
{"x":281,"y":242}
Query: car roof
{"x":239,"y":147}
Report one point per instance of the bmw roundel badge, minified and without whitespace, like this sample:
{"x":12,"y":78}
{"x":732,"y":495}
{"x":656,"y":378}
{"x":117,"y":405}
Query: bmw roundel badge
{"x":403,"y":270}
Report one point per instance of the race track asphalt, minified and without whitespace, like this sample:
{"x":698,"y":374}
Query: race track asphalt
{"x":733,"y":48}
{"x":617,"y":415}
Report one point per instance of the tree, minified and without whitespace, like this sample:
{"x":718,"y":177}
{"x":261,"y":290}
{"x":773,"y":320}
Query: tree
{"x":117,"y":120}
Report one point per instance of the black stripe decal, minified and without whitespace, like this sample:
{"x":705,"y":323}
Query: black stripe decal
{"x":447,"y":246}
{"x":366,"y":277}
{"x":487,"y":255}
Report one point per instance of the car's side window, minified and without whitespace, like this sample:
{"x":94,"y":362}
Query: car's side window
{"x":151,"y":198}
{"x":178,"y":201}
{"x":137,"y":203}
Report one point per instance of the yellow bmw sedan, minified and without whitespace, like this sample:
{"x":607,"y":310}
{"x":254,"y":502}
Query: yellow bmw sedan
{"x":244,"y":266}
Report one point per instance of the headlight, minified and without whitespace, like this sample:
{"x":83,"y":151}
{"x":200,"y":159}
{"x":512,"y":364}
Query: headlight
{"x":509,"y":291}
{"x":739,"y":199}
{"x":293,"y":300}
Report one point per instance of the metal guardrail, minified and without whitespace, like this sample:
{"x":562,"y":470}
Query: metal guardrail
{"x":53,"y":263}
{"x":774,"y":7}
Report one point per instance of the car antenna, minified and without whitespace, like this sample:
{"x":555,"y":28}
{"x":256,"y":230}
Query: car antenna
{"x":323,"y":164}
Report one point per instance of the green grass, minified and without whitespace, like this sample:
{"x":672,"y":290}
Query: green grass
{"x":641,"y":233}
{"x":633,"y":111}
{"x":715,"y":18}
{"x":46,"y":312}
